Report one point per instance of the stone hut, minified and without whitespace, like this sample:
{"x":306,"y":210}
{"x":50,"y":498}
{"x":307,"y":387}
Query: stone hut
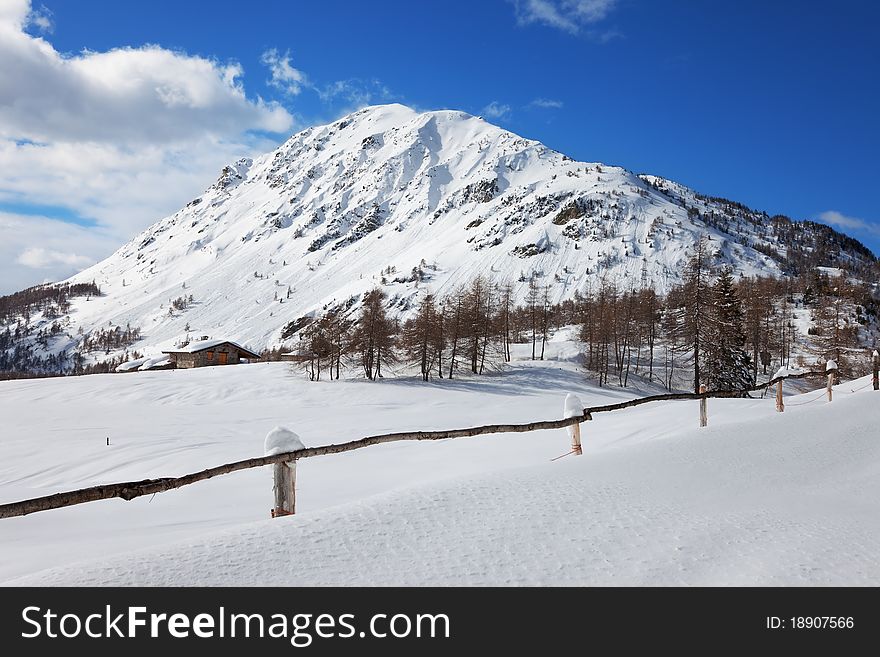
{"x":205,"y":353}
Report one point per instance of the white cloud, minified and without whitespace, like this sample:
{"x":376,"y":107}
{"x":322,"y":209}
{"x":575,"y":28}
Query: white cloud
{"x":355,"y":93}
{"x":839,"y":220}
{"x":546,"y":103}
{"x":40,"y":258}
{"x":37,"y":249}
{"x":285,"y":77}
{"x":567,"y":15}
{"x":496,"y":110}
{"x":14,"y":12}
{"x":146,"y":94}
{"x":41,"y":18}
{"x":123,"y":137}
{"x":123,"y":188}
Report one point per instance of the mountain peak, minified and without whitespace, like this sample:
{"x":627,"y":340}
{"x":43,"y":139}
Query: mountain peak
{"x":415,"y":201}
{"x":403,"y":112}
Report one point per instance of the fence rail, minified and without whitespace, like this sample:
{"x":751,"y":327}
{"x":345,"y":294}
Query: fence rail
{"x":131,"y":489}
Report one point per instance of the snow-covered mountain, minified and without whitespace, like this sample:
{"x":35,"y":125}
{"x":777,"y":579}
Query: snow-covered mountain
{"x":391,"y":197}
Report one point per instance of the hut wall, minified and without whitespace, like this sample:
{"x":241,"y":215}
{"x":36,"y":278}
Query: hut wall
{"x":184,"y":361}
{"x":200,"y":358}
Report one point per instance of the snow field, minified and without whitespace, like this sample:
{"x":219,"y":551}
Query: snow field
{"x":757,"y":497}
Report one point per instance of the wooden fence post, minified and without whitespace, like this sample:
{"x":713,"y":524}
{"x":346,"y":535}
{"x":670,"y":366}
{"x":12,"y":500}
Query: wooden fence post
{"x":876,"y":360}
{"x":576,"y":440}
{"x":780,"y":405}
{"x":574,"y":407}
{"x":281,"y":441}
{"x":704,"y":418}
{"x":284,"y":476}
{"x":831,"y":368}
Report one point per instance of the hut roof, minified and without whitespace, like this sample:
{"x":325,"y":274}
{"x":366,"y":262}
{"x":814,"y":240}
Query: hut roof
{"x":202,"y":345}
{"x":154,"y":363}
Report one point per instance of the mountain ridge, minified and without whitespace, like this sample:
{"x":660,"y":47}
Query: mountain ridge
{"x":410,"y":201}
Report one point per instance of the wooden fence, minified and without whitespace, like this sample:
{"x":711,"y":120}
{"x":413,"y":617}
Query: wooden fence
{"x":132,"y":489}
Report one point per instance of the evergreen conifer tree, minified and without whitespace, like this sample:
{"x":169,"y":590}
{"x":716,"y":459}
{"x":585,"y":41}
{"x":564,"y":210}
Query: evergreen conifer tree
{"x":727,"y":364}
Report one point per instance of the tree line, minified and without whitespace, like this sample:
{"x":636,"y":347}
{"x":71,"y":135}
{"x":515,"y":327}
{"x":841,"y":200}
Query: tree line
{"x":470,"y":330}
{"x":52,"y":300}
{"x":712,"y":329}
{"x":20,"y":336}
{"x":721,"y":332}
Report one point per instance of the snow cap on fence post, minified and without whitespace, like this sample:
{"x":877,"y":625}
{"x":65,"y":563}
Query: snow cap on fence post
{"x":781,"y":373}
{"x":280,"y":441}
{"x":574,"y":407}
{"x":831,"y":368}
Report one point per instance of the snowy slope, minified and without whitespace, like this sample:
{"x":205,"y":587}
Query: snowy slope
{"x":756,"y":498}
{"x":410,"y":201}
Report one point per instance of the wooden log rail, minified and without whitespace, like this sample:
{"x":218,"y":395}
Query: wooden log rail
{"x":131,"y":489}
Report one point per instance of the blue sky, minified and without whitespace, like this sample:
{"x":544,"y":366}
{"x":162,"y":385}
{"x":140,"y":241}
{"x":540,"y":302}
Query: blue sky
{"x":770,"y":104}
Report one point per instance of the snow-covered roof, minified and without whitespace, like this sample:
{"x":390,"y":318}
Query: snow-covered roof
{"x":155,"y":361}
{"x":196,"y":346}
{"x":130,"y":365}
{"x":201,"y":345}
{"x":143,"y":364}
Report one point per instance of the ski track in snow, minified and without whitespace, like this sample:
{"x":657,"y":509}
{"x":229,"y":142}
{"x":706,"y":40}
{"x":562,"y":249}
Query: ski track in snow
{"x":755,"y":498}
